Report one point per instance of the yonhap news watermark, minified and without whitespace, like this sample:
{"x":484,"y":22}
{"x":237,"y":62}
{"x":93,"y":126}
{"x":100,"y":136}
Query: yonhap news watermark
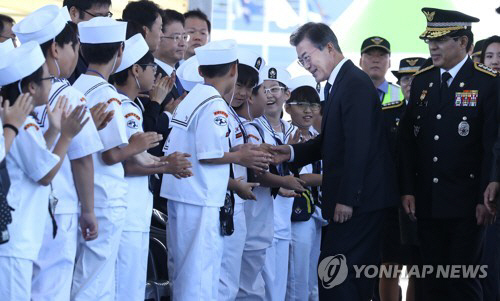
{"x":333,"y":271}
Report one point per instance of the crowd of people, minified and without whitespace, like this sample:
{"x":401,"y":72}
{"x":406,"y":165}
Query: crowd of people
{"x":105,"y":119}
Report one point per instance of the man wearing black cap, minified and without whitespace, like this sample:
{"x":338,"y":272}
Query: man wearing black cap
{"x":476,"y":53}
{"x":447,"y":135}
{"x":375,"y":61}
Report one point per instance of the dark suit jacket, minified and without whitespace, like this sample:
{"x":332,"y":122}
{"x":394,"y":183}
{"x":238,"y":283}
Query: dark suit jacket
{"x":358,"y":170}
{"x":446,"y":147}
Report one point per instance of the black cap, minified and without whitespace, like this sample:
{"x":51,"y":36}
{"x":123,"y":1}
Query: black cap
{"x":441,"y":22}
{"x":375,"y":42}
{"x":478,"y":47}
{"x":498,"y":10}
{"x":409,"y":65}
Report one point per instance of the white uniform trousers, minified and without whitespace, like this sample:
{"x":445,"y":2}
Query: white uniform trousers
{"x":275,"y":271}
{"x":94,"y":276}
{"x":304,"y":256}
{"x":15,"y":278}
{"x":251,"y":281}
{"x":196,"y":246}
{"x":53,"y":269}
{"x":231,"y":256}
{"x":132,"y":266}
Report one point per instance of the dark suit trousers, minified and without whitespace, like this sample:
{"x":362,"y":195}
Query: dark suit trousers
{"x":450,"y":242}
{"x":490,"y":257}
{"x":359,"y":240}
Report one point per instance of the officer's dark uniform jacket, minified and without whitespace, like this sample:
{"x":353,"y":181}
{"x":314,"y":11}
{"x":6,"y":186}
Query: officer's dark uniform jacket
{"x":393,"y":111}
{"x":446,"y":146}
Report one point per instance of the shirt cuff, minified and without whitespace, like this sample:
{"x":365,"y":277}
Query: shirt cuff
{"x":292,"y":154}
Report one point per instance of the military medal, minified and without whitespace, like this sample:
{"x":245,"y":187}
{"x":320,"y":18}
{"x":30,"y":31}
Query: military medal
{"x":431,"y":84}
{"x":463,"y":128}
{"x":424,"y":93}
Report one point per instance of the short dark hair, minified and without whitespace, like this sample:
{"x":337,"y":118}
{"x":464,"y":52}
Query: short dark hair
{"x":120,"y":78}
{"x":197,"y":13}
{"x":134,"y":28}
{"x":464,"y":32}
{"x":5,"y":19}
{"x":319,"y":34}
{"x":247,"y":76}
{"x":488,"y":42}
{"x":66,"y":36}
{"x":212,"y":71}
{"x":82,"y":5}
{"x":100,"y":53}
{"x":143,"y":12}
{"x":169,"y":16}
{"x":304,"y":94}
{"x":11,"y":91}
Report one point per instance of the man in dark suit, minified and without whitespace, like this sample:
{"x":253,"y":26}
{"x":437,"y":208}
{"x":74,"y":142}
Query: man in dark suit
{"x":358,"y":178}
{"x":446,"y":140}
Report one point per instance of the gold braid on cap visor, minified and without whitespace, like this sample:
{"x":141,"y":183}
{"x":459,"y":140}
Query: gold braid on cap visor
{"x":436,"y":32}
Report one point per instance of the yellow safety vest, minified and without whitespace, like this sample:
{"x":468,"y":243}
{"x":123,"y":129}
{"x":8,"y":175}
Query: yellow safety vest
{"x":393,"y":94}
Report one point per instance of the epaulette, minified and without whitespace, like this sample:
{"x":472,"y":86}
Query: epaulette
{"x":485,"y":69}
{"x":423,"y":70}
{"x":392,"y":104}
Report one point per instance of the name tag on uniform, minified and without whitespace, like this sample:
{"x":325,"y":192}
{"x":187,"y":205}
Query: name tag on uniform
{"x":466,"y":98}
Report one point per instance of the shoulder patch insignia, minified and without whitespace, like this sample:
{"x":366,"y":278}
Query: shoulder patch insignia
{"x":220,"y":120}
{"x":272,"y":74}
{"x":485,"y":69}
{"x":392,"y":104}
{"x":83,"y":99}
{"x":221,"y":113}
{"x":114,"y":99}
{"x":133,"y":115}
{"x":423,"y":70}
{"x":133,"y":124}
{"x":26,"y":127}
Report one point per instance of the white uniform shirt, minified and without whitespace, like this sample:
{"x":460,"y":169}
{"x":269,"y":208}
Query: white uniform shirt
{"x":85,"y":143}
{"x":236,"y":138}
{"x":139,"y":199}
{"x":203,"y":135}
{"x":109,"y":182}
{"x":259,"y":213}
{"x":28,"y":161}
{"x":282,"y":205}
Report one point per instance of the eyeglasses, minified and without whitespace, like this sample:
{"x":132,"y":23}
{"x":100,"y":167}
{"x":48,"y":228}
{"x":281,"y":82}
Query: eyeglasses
{"x":108,"y":14}
{"x":276,"y":90}
{"x":154,"y":66}
{"x":305,"y":59}
{"x":306,"y":105}
{"x":441,"y":40}
{"x":178,"y":37}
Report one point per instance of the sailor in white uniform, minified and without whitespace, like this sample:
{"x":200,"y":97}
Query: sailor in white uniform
{"x":200,"y":128}
{"x":259,"y":215}
{"x":53,"y":269}
{"x":32,"y":167}
{"x":249,"y":64}
{"x":136,"y":74}
{"x":102,"y":45}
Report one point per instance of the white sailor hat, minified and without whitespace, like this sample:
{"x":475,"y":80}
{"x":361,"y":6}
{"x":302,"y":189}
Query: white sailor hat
{"x":250,"y":58}
{"x":274,"y":73}
{"x":42,"y":25}
{"x":188,"y":74}
{"x":101,"y":30}
{"x":217,"y":52}
{"x":21,"y":62}
{"x":304,"y":80}
{"x":135,"y":48}
{"x":6,"y":47}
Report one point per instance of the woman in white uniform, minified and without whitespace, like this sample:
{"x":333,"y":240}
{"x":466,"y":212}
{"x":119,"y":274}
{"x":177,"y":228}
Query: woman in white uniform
{"x":32,"y":167}
{"x":73,"y":184}
{"x":303,"y":106}
{"x":136,"y":74}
